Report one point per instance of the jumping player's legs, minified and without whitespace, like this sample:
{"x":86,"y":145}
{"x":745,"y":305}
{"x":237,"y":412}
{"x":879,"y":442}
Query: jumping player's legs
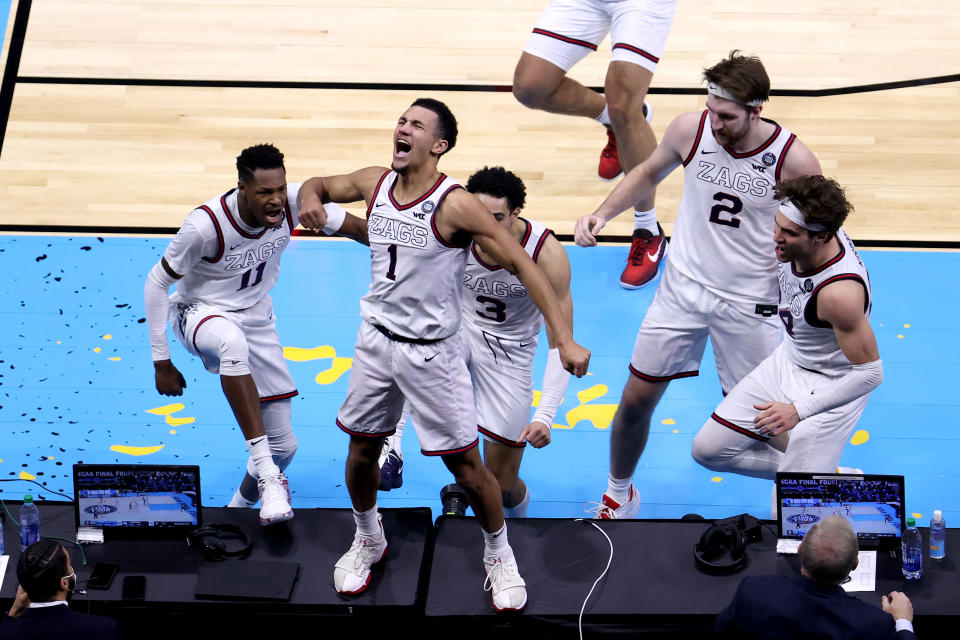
{"x":563,"y":35}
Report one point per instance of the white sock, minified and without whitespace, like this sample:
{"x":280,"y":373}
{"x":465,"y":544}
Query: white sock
{"x":518,"y":510}
{"x":262,"y":459}
{"x":367,"y":524}
{"x":604,"y":117}
{"x":618,"y":489}
{"x":239,"y":501}
{"x":496,"y":543}
{"x":646,"y":220}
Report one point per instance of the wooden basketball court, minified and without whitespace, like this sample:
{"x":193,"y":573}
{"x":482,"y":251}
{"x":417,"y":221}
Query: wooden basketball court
{"x":128,"y":114}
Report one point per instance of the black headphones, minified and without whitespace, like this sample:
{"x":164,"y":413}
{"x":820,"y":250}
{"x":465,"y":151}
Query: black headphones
{"x":211,"y":541}
{"x":722,"y":550}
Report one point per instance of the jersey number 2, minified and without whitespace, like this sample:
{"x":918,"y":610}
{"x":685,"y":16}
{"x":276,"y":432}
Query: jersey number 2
{"x":726,"y":212}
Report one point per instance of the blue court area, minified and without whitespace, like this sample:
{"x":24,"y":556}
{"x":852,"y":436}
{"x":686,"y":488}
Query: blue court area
{"x":76,"y":383}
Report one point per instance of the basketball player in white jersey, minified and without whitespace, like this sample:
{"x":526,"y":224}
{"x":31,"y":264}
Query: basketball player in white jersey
{"x":501,"y":327}
{"x":420,"y":224}
{"x":224,"y":260}
{"x":565,"y":33}
{"x":720,"y":276}
{"x":797,"y":409}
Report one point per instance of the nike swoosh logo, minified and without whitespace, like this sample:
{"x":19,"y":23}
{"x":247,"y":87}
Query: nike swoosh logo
{"x":380,"y":204}
{"x":431,"y":357}
{"x":653,"y":257}
{"x":525,"y":345}
{"x":234,"y":247}
{"x":256,"y":442}
{"x":706,"y":152}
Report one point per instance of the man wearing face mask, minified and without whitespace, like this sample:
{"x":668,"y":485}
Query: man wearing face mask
{"x":41,"y":609}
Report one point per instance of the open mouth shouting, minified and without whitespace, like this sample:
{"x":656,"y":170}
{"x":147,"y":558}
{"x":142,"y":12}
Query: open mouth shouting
{"x":401,"y":148}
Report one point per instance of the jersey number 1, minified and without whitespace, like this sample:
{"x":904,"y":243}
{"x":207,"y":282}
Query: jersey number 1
{"x":392,"y":269}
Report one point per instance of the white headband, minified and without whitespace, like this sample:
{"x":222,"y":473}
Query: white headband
{"x":720,"y":92}
{"x":791,"y":211}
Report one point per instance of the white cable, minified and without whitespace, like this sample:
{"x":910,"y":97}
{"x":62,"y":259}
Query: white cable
{"x":597,"y":581}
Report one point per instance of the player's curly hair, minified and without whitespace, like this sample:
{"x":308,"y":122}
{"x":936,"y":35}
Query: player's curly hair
{"x":259,"y":156}
{"x":743,"y":76}
{"x":40,"y":568}
{"x":822,"y":200}
{"x":499,"y":183}
{"x":446,"y":123}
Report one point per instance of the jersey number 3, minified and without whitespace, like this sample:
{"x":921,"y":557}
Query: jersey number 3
{"x":726,"y":212}
{"x":496,"y":308}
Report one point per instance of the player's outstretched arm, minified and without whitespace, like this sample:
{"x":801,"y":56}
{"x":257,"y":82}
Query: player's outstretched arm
{"x":168,"y":379}
{"x":462,"y":213}
{"x":640,"y":180}
{"x":555,"y":265}
{"x":350,"y":187}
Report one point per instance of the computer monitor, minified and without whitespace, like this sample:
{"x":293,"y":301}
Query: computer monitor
{"x":137,"y":498}
{"x":872,"y":504}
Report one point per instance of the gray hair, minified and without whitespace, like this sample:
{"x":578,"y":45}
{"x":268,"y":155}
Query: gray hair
{"x":829,"y":550}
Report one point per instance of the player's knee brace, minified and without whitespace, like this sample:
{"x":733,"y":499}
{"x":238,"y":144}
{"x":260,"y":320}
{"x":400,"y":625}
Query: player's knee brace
{"x":218,"y":336}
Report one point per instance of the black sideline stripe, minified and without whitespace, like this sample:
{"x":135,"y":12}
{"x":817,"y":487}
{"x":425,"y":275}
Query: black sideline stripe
{"x":12,"y":70}
{"x":432,"y":86}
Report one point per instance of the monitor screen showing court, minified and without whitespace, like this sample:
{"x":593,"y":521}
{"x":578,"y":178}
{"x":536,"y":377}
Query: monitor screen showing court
{"x":137,"y":496}
{"x":872,"y":504}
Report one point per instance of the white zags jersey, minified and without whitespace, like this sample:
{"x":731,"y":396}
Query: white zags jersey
{"x":495,"y":301}
{"x":723,"y":237}
{"x":415,"y":274}
{"x":811,"y":342}
{"x":237,"y":265}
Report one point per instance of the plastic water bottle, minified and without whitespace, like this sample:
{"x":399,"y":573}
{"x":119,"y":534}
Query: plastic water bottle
{"x":912,"y":546}
{"x":29,"y":523}
{"x":938,"y":536}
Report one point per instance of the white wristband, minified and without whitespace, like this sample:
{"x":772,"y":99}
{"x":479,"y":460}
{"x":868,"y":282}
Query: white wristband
{"x":156,"y":304}
{"x":555,"y":379}
{"x":859,"y":381}
{"x":335,"y":217}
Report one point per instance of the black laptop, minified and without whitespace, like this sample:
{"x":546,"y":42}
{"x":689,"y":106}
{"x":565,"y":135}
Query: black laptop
{"x":139,"y":501}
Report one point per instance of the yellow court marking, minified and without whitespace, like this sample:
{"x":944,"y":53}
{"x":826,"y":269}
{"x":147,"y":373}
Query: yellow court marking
{"x":899,"y":336}
{"x":536,"y":398}
{"x":167,"y":409}
{"x":676,"y":431}
{"x":906,"y":326}
{"x":668,"y":421}
{"x":107,"y":336}
{"x":916,"y":516}
{"x":716,"y":479}
{"x":859,"y":437}
{"x":600,"y":415}
{"x":27,"y":476}
{"x":135,"y":451}
{"x":97,"y":349}
{"x":114,"y":359}
{"x":173,"y":431}
{"x":338,"y":367}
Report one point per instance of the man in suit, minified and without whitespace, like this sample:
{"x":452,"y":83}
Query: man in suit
{"x":41,"y":609}
{"x":813,"y":605}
